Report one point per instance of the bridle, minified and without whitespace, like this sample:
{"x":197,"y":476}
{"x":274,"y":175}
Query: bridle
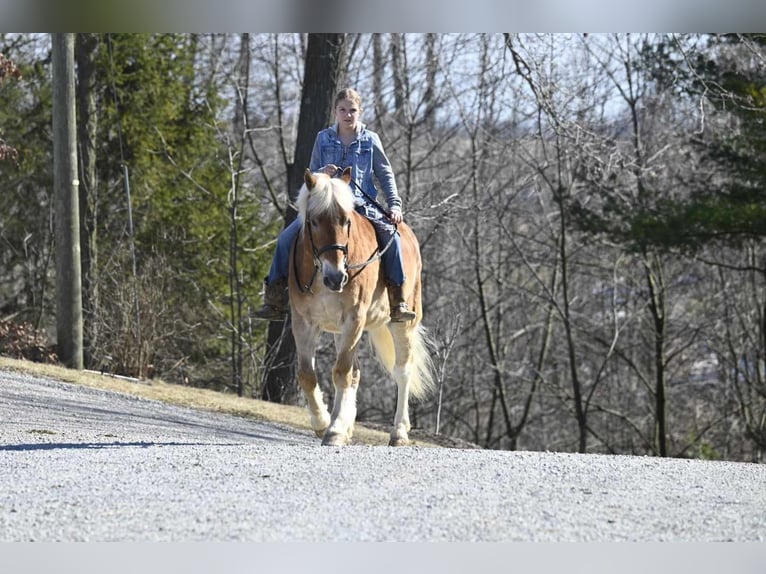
{"x":318,"y":252}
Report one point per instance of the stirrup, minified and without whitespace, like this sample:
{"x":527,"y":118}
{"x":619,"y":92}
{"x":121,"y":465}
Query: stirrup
{"x":271,"y":312}
{"x":275,"y":301}
{"x":401,"y":313}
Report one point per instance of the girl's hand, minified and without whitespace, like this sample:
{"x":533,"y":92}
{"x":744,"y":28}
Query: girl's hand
{"x":330,"y":169}
{"x":396,"y":216}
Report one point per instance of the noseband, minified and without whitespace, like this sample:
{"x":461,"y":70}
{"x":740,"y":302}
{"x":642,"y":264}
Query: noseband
{"x":330,"y":247}
{"x":317,"y":253}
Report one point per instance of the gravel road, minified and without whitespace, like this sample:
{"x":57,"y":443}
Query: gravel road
{"x":80,"y":464}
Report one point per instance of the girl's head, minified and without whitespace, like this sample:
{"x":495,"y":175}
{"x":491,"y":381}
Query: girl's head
{"x":351,"y":95}
{"x":348,"y":108}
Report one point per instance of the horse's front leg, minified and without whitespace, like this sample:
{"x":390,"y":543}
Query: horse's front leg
{"x":345,"y":378}
{"x":306,"y":337}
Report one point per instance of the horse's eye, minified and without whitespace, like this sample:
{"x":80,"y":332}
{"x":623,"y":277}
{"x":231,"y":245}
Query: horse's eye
{"x":314,"y":223}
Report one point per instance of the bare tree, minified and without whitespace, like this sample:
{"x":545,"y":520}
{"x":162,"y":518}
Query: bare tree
{"x":240,"y":122}
{"x":322,"y":72}
{"x":398,"y":70}
{"x":86,"y":48}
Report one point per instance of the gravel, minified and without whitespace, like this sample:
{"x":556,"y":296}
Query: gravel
{"x":81,"y":464}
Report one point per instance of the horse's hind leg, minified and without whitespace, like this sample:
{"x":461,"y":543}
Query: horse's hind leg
{"x":403,"y":374}
{"x":400,"y":432}
{"x":393,"y":345}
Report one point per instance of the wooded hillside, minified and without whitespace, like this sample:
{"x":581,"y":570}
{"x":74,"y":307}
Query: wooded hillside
{"x":591,"y":211}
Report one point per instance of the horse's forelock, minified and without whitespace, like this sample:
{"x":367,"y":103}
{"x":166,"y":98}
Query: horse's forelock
{"x":330,"y":196}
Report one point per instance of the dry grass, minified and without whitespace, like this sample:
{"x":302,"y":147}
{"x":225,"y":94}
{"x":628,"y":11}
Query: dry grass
{"x":296,"y":417}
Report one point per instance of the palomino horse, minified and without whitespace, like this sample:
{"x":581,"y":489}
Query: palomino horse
{"x":336,"y":285}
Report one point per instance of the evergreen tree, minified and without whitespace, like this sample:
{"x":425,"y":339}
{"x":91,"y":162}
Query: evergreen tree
{"x":724,"y":200}
{"x":162,"y":122}
{"x":160,"y":116}
{"x":26,"y":184}
{"x":725,"y":203}
{"x":732,"y":207}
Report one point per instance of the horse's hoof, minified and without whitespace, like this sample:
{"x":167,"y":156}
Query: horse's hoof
{"x":334,"y":439}
{"x":398,"y":441}
{"x":320,"y":423}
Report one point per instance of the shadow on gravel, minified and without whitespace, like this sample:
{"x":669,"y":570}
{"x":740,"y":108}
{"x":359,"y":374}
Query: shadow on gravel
{"x":101,"y":445}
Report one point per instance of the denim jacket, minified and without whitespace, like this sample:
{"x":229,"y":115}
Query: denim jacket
{"x":366,"y":158}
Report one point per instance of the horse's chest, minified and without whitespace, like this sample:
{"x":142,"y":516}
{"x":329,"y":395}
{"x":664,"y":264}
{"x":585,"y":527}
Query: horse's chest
{"x":330,"y":311}
{"x":325,"y":309}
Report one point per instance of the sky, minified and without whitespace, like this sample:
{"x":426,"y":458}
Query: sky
{"x":382,"y":16}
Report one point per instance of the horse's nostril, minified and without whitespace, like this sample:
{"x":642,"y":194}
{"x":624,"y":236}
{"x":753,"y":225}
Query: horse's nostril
{"x":334,"y":283}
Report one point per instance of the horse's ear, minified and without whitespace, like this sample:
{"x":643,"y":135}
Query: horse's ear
{"x":310,"y":179}
{"x":346,"y":175}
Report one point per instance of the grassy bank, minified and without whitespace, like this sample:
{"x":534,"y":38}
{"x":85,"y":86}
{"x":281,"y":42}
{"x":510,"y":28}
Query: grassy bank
{"x":293,"y":416}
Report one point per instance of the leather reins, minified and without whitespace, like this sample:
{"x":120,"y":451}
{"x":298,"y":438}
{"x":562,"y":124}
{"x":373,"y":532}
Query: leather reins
{"x":317,"y":253}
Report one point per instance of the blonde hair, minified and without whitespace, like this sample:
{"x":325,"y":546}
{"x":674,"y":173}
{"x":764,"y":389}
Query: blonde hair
{"x":349,"y":94}
{"x":329,"y":196}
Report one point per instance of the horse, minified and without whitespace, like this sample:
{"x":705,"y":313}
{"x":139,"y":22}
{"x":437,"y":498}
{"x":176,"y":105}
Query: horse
{"x":336,"y":285}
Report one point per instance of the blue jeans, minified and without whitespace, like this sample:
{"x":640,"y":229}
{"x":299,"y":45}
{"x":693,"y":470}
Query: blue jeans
{"x":393,"y":263}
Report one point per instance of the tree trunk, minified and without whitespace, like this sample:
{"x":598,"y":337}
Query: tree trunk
{"x":397,"y":65}
{"x":321,"y":76}
{"x":235,"y":283}
{"x":580,"y":408}
{"x":68,"y":270}
{"x":656,"y":288}
{"x":85,"y":51}
{"x":432,"y":68}
{"x":378,"y":65}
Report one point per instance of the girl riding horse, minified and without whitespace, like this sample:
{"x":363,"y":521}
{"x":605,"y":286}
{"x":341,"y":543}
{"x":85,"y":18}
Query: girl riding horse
{"x":349,"y":143}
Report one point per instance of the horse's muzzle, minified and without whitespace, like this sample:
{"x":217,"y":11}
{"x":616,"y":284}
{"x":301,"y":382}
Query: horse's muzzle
{"x":336,"y":282}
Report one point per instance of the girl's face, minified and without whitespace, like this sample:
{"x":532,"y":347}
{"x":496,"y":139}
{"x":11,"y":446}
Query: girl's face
{"x":347,"y":114}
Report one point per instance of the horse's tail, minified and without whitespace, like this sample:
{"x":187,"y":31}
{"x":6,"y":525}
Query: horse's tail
{"x":423,"y":382}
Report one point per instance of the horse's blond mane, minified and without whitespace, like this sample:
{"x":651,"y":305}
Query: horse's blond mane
{"x":330,"y":197}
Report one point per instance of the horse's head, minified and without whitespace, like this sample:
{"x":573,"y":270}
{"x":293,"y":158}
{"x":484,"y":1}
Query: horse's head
{"x":326,"y":206}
